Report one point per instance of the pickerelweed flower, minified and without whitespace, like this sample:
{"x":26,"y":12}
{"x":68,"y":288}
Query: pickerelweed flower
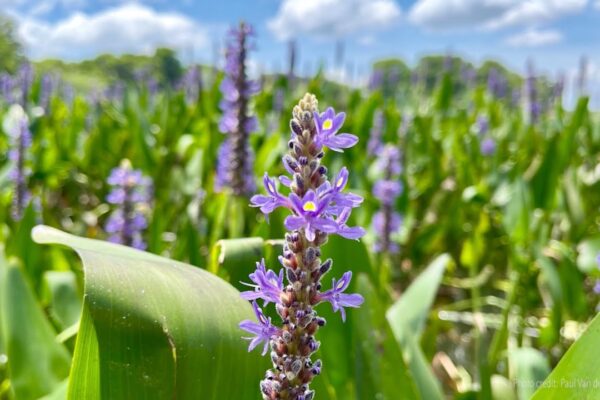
{"x":235,"y":158}
{"x":131,"y":193}
{"x":387,"y":221}
{"x":318,"y":208}
{"x":47,"y":87}
{"x":191,"y":84}
{"x":24,"y":81}
{"x":16,"y":126}
{"x":488,"y":146}
{"x":376,"y":134}
{"x":535,"y":107}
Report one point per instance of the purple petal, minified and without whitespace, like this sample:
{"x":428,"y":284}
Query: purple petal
{"x":341,"y":141}
{"x":293,"y":222}
{"x":351,"y":300}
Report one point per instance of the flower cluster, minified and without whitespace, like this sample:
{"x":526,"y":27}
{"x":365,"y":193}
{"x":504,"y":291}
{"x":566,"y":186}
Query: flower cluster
{"x":497,"y":84}
{"x":535,"y":106}
{"x":235,"y":158}
{"x":16,"y":125}
{"x":191,"y":84}
{"x":487,"y":145}
{"x":131,"y":193}
{"x":319,"y":207}
{"x":376,"y":134}
{"x":387,"y":221}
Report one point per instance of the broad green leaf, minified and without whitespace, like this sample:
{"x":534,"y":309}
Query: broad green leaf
{"x":409,"y":313}
{"x":380,"y":367}
{"x":163,"y":329}
{"x":37,"y":362}
{"x":60,"y":393}
{"x":407,"y":318}
{"x":576,"y":375}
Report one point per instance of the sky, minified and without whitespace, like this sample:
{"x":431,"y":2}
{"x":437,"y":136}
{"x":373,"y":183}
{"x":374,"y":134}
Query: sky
{"x":553,"y":34}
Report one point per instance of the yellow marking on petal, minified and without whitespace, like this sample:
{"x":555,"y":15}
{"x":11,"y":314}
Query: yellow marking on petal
{"x":309,"y":206}
{"x":327,"y":124}
{"x":271,"y":188}
{"x":339,"y":182}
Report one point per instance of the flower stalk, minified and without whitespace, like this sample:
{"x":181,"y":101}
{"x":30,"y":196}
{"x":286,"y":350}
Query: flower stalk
{"x":318,"y":208}
{"x":131,"y":194}
{"x":235,"y":158}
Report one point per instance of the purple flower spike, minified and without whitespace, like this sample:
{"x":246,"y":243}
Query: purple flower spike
{"x":263,"y":330}
{"x":319,"y":207}
{"x":131,"y":194}
{"x":236,"y":158}
{"x":488,"y":147}
{"x":338,"y":299}
{"x":309,"y":215}
{"x":386,"y":221}
{"x":327,"y":124}
{"x":16,"y":125}
{"x":267,"y":285}
{"x":274,"y":200}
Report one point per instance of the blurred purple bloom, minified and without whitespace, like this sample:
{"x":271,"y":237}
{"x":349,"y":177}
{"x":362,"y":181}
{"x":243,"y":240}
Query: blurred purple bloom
{"x":263,"y":331}
{"x":488,"y":146}
{"x":387,"y":191}
{"x":338,"y":298}
{"x":376,"y":134}
{"x":386,"y":221}
{"x":384,"y":226}
{"x":236,"y":159}
{"x":482,"y":125}
{"x":16,"y":125}
{"x":131,"y":193}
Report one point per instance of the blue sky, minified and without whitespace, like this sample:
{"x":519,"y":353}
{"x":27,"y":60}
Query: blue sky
{"x":552,"y":33}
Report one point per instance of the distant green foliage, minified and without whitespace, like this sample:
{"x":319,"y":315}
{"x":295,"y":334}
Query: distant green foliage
{"x":10,"y":48}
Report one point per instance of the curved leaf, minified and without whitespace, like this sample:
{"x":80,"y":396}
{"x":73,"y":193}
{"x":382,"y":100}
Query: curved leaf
{"x":163,"y":329}
{"x":407,"y":318}
{"x":576,"y":375}
{"x":38,"y":363}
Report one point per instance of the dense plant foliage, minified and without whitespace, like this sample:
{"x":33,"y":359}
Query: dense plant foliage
{"x":477,"y":269}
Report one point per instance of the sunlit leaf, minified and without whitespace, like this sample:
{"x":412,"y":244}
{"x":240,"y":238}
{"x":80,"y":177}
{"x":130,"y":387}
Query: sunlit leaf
{"x":162,"y":329}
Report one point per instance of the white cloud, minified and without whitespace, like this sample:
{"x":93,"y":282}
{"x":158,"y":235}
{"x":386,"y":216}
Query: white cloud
{"x":127,"y":28}
{"x":332,"y":18}
{"x":534,"y":38}
{"x":490,"y":14}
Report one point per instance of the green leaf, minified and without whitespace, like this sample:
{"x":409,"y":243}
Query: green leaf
{"x":84,"y":381}
{"x":63,"y":296}
{"x":163,"y":329}
{"x":576,"y":375}
{"x":529,"y":368}
{"x":408,"y":315}
{"x":236,"y":259}
{"x":37,"y":362}
{"x":60,"y":393}
{"x":379,"y":357}
{"x":407,"y":319}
